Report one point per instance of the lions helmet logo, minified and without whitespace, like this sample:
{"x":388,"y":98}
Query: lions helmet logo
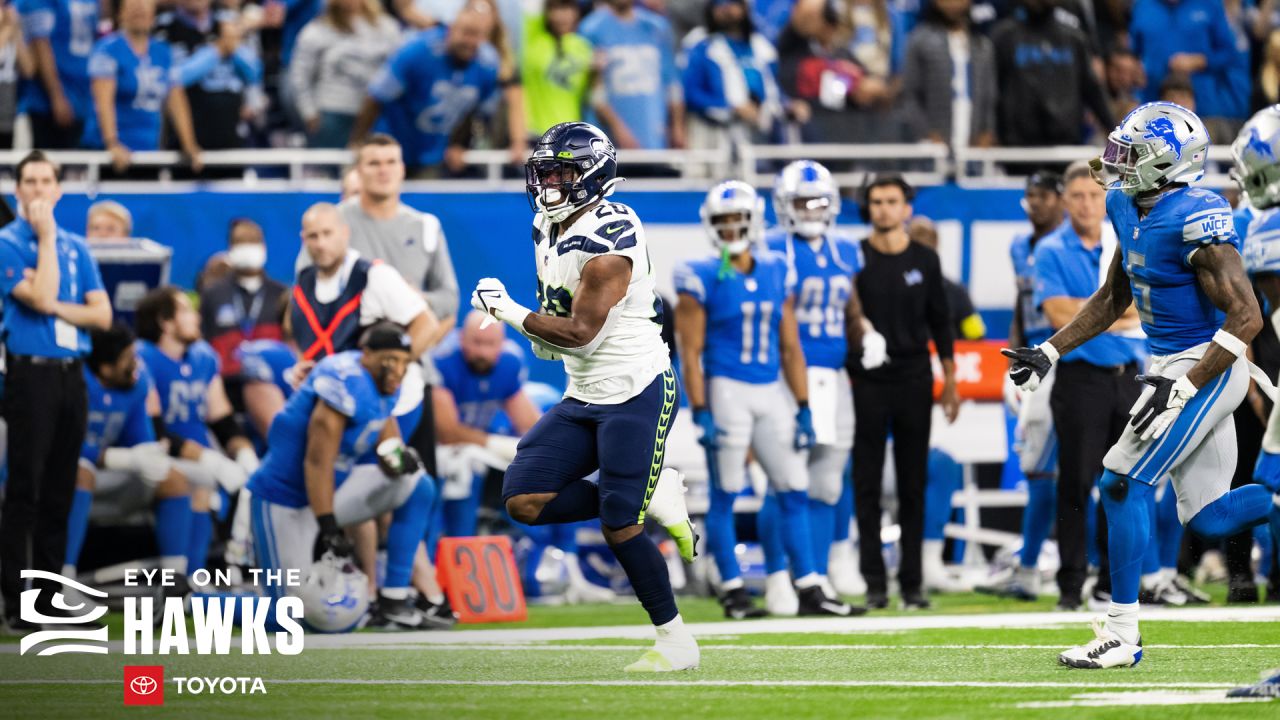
{"x":1162,"y":127}
{"x":1260,"y":147}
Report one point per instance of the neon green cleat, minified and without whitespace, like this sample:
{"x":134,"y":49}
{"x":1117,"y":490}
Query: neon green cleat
{"x":666,"y":505}
{"x":674,"y":650}
{"x":651,"y":661}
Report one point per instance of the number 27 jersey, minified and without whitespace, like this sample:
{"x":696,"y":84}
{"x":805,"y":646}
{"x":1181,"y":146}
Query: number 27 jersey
{"x":632,"y":353}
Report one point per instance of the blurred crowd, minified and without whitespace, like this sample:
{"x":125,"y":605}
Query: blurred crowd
{"x":446,"y":75}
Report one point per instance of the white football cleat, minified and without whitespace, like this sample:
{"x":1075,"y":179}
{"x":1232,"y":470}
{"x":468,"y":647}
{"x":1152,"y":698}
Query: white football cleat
{"x":675,"y":649}
{"x":588,"y":593}
{"x":1106,"y":650}
{"x":936,"y":575}
{"x":666,"y":505}
{"x":842,"y":569}
{"x":780,"y":597}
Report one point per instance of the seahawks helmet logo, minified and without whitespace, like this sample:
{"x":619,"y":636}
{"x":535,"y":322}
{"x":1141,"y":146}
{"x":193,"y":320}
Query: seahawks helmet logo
{"x":602,"y":149}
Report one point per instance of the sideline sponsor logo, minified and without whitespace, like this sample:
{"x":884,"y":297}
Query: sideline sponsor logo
{"x":143,"y":684}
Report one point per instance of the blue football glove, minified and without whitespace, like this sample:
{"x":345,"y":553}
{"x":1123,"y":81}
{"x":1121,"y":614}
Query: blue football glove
{"x":804,"y":429}
{"x":710,"y":438}
{"x":1267,"y":470}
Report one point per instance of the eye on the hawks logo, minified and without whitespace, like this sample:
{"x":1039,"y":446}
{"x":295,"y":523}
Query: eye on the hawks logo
{"x":72,"y":604}
{"x":143,"y":684}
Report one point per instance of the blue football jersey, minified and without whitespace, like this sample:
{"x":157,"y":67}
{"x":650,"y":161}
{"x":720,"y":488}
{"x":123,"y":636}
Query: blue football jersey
{"x":1176,"y":314}
{"x":70,"y":27}
{"x":424,"y":95}
{"x":480,"y":398}
{"x":639,"y":74}
{"x":1035,"y":326}
{"x":117,"y":417}
{"x":1262,"y":243}
{"x":183,"y":386}
{"x":266,"y":361}
{"x":344,"y":385}
{"x":824,"y":281}
{"x":142,"y":86}
{"x":743,"y":315}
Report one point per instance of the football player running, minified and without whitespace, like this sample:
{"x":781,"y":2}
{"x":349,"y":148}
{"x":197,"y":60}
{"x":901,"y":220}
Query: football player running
{"x":737,"y":327}
{"x":829,"y":316}
{"x":1257,"y":169}
{"x":601,"y":315}
{"x":1178,"y":260}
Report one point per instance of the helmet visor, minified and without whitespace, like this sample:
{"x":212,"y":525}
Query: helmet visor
{"x":811,"y":209}
{"x":1119,"y":161}
{"x":731,"y":227}
{"x":551,"y":179}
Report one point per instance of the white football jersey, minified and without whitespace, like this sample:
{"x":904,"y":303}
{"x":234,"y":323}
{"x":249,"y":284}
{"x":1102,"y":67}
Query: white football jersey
{"x":632,"y":353}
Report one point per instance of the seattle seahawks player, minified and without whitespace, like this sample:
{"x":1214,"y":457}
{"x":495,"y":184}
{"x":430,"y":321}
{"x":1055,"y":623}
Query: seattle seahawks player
{"x":194,"y":402}
{"x":602,"y":316}
{"x":1178,"y":260}
{"x":309,"y":486}
{"x":121,"y":461}
{"x":737,"y":328}
{"x":1257,"y":170}
{"x":807,"y":203}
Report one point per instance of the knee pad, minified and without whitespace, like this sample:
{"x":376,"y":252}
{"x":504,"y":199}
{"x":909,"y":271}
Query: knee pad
{"x":1114,"y":487}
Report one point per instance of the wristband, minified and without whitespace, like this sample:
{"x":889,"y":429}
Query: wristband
{"x":802,"y":404}
{"x":1230,"y":343}
{"x":1049,"y":351}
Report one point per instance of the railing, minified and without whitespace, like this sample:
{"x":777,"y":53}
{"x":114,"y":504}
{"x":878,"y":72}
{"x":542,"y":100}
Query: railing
{"x":922,"y":164}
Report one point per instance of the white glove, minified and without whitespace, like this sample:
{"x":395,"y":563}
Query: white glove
{"x":503,"y":446}
{"x":541,"y":351}
{"x":490,"y":296}
{"x":1162,"y":406}
{"x":229,"y":474}
{"x":875,"y":350}
{"x":248,"y":460}
{"x":148,"y":461}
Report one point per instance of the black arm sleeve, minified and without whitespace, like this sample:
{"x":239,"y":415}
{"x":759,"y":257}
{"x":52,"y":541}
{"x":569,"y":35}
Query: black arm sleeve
{"x":226,"y":430}
{"x":938,"y":310}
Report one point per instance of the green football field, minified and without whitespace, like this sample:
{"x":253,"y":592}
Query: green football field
{"x":972,"y":657}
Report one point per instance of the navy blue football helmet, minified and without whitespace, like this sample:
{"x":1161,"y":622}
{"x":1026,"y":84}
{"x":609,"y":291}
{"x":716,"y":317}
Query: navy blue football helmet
{"x":573,"y":165}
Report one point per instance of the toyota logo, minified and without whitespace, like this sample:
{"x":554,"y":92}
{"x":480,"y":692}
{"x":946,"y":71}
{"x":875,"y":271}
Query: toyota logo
{"x":143,"y":685}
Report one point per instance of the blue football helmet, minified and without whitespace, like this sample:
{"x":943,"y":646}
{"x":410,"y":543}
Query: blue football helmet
{"x":573,"y":165}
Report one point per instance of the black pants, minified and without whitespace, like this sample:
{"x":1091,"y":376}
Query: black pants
{"x":1090,"y":406}
{"x":904,"y":407}
{"x":46,"y":409}
{"x":49,"y":135}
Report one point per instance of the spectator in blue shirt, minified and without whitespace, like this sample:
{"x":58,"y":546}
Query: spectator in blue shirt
{"x":639,"y":103}
{"x":52,"y":295}
{"x":1186,"y":36}
{"x":1094,"y":388}
{"x":57,"y":100}
{"x":730,"y":78}
{"x":429,"y":89}
{"x":134,"y":78}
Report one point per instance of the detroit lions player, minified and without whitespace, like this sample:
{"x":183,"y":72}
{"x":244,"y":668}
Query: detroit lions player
{"x":737,"y":328}
{"x":1178,"y":261}
{"x":1257,"y":169}
{"x":1035,"y":439}
{"x":806,"y":202}
{"x":121,"y":461}
{"x":602,"y":316}
{"x":310,"y":486}
{"x":193,"y":402}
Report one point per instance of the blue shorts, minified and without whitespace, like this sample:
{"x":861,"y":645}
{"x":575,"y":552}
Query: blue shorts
{"x":625,"y":442}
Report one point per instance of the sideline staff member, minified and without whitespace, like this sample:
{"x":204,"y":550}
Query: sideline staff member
{"x":902,"y":294}
{"x":1094,"y":390}
{"x":53,"y":295}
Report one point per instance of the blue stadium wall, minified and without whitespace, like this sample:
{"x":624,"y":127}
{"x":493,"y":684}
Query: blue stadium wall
{"x":489,"y":234}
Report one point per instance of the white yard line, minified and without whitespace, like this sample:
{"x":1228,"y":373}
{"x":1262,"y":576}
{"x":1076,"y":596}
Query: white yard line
{"x":682,"y":683}
{"x":898,"y":623}
{"x":1150,"y":697}
{"x":521,"y":647}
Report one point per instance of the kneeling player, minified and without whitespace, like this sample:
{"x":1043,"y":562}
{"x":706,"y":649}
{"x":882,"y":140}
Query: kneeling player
{"x":121,"y":461}
{"x":1178,"y":260}
{"x":309,"y":488}
{"x":737,"y":329}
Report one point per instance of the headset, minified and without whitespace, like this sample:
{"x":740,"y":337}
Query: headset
{"x":882,"y":180}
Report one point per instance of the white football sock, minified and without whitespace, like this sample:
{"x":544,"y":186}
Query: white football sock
{"x":809,"y":581}
{"x":1122,"y":619}
{"x":728,"y":585}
